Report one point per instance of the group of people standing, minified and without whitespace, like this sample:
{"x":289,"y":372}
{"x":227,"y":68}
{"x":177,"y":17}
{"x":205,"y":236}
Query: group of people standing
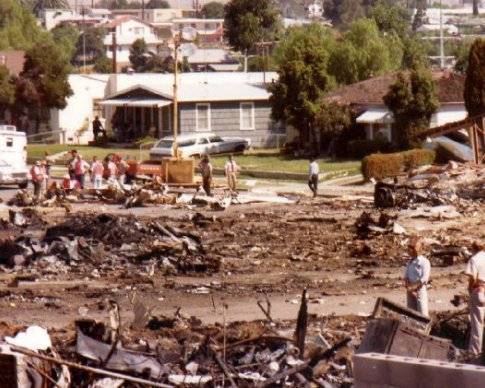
{"x":231,"y":169}
{"x":416,"y":280}
{"x":116,"y":170}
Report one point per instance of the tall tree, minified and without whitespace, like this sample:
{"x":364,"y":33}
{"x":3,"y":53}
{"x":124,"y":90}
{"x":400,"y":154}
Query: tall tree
{"x":364,"y":53}
{"x":351,"y":10}
{"x":92,"y":43}
{"x":297,"y":96}
{"x":7,"y":89}
{"x":40,"y":5}
{"x":44,"y":81}
{"x":475,"y":7}
{"x":18,"y":27}
{"x":65,"y":37}
{"x":153,"y":4}
{"x":248,"y":22}
{"x":474,"y":94}
{"x":412,"y":100}
{"x":212,"y":10}
{"x":138,"y":55}
{"x":390,"y":18}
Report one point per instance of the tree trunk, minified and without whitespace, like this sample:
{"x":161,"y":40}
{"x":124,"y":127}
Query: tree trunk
{"x":475,"y":7}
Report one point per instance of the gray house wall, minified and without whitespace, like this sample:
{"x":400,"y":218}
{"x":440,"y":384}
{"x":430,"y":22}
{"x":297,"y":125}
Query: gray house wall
{"x":226,"y":119}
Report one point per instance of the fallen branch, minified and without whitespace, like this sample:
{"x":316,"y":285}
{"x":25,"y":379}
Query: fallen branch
{"x":90,"y":369}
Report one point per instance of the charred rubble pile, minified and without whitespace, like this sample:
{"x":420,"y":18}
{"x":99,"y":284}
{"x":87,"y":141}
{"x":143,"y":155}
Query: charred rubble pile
{"x":87,"y":242}
{"x":453,"y":184}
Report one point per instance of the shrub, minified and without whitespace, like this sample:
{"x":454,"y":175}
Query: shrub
{"x":358,"y":149}
{"x":379,"y":166}
{"x":416,"y":158}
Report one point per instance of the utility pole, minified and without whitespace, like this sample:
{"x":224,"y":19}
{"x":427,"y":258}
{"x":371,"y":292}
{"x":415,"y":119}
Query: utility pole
{"x":442,"y":45}
{"x":114,"y":48}
{"x":143,"y":10}
{"x":84,"y":39}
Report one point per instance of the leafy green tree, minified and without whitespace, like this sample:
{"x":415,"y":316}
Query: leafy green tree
{"x":412,"y":100}
{"x":7,"y":89}
{"x":138,"y":55}
{"x":461,"y":54}
{"x":65,"y":37}
{"x":297,"y":96}
{"x":93,"y":42}
{"x":390,"y":18}
{"x":153,"y":4}
{"x":103,"y":65}
{"x":248,"y":22}
{"x":18,"y":27}
{"x":365,"y":53}
{"x":43,"y":83}
{"x":212,"y":10}
{"x":414,"y":52}
{"x":351,"y":10}
{"x":40,"y":5}
{"x":474,"y":94}
{"x":420,"y":14}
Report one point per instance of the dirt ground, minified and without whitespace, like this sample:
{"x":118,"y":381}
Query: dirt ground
{"x":259,"y":251}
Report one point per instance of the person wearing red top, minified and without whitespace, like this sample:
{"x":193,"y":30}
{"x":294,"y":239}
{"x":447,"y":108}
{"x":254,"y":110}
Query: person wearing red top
{"x":80,"y":168}
{"x":38,"y":175}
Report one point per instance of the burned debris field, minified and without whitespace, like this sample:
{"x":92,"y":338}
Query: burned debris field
{"x":246,"y":295}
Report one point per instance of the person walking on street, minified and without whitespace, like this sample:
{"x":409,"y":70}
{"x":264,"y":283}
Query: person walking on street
{"x":97,"y":169}
{"x":230,"y":170}
{"x":98,"y":128}
{"x":205,"y":168}
{"x":313,"y":172}
{"x":80,"y":170}
{"x":475,"y":270}
{"x":37,"y":174}
{"x":416,"y":278}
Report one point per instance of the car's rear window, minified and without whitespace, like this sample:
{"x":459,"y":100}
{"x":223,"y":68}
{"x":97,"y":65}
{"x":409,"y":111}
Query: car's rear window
{"x":215,"y":139}
{"x":164,"y":144}
{"x":186,"y":143}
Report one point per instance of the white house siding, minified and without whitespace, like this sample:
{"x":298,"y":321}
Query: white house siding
{"x":86,"y":88}
{"x":226,"y":121}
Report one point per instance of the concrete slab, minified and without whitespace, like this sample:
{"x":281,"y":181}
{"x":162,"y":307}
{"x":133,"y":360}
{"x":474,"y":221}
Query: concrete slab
{"x":372,"y":370}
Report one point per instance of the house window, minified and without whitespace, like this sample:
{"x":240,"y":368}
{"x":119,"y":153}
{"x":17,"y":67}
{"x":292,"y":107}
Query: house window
{"x":203,"y":117}
{"x":247,"y":115}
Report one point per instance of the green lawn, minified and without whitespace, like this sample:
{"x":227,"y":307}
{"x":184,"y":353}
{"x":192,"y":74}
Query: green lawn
{"x":37,"y":151}
{"x":264,"y":160}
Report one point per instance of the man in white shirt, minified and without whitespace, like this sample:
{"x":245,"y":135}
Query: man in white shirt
{"x":230,"y":170}
{"x":416,"y":278}
{"x":313,"y":171}
{"x":475,"y":270}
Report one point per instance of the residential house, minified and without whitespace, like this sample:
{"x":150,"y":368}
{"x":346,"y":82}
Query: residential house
{"x":204,"y":59}
{"x":210,"y":32}
{"x":128,"y":29}
{"x":374,"y":117}
{"x":74,"y":122}
{"x":51,"y":18}
{"x":229,"y":104}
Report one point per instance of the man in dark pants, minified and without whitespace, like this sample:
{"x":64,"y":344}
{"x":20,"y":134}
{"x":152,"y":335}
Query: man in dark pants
{"x":205,"y":168}
{"x":97,"y":128}
{"x":313,"y":171}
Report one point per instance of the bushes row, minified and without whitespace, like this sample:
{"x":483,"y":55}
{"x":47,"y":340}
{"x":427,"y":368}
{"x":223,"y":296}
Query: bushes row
{"x":379,"y":166}
{"x":358,"y":149}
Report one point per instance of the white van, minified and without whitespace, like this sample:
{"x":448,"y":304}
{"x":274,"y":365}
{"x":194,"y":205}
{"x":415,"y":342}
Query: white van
{"x":13,"y":157}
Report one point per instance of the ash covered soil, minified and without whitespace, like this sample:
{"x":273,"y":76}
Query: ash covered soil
{"x":345,"y":253}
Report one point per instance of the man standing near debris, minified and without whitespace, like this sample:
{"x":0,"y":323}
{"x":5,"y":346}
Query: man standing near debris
{"x":122,"y":167}
{"x":475,"y":270}
{"x":71,"y":163}
{"x":313,"y":172}
{"x":205,"y":168}
{"x":230,"y":170}
{"x":80,"y":168}
{"x":37,"y":174}
{"x":97,"y":169}
{"x":112,"y":171}
{"x":416,"y":278}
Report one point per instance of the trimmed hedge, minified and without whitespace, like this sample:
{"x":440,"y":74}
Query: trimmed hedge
{"x":379,"y":166}
{"x":360,"y":148}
